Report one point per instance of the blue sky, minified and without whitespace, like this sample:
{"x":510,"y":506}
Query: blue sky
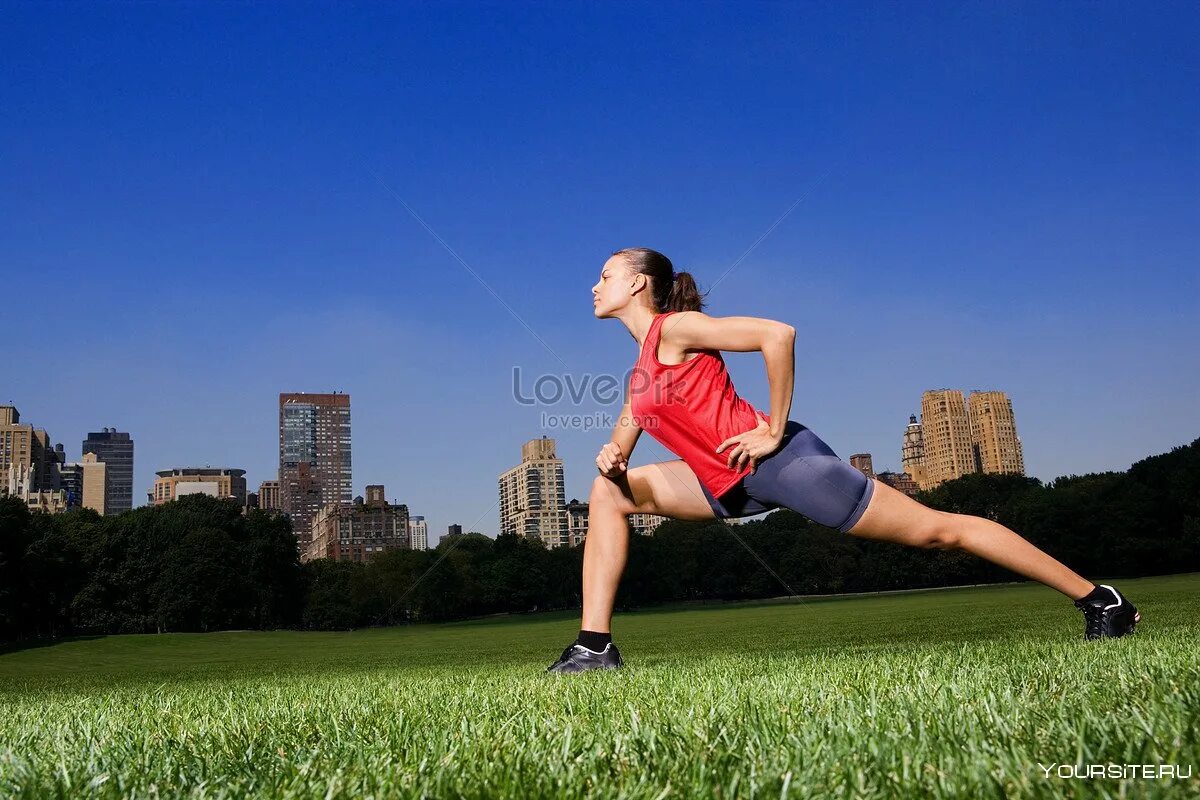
{"x":202,"y":205}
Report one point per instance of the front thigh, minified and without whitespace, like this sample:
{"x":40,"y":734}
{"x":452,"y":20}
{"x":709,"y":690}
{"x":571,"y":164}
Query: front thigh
{"x":668,"y":488}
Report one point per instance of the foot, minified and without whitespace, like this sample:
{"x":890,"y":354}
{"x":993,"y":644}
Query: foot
{"x":577,"y":658}
{"x":1109,"y":616}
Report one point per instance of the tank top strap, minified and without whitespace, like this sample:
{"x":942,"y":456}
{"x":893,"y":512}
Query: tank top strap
{"x":650,"y":346}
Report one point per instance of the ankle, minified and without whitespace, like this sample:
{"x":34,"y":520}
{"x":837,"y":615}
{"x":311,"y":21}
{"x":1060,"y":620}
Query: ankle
{"x":594,"y":640}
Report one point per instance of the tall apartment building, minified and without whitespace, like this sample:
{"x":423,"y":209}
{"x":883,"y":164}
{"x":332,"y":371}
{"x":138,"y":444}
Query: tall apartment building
{"x":359,"y":530}
{"x":454,"y":529}
{"x":27,"y":460}
{"x":114,"y":449}
{"x":946,"y":431}
{"x":994,"y":433}
{"x":418,"y":533}
{"x":30,"y":468}
{"x":533,"y":495}
{"x":268,"y":495}
{"x":862,"y":463}
{"x":171,"y":484}
{"x":955,"y":438}
{"x":314,"y":457}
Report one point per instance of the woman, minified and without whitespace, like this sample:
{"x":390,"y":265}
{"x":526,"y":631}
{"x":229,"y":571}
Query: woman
{"x":736,"y":461}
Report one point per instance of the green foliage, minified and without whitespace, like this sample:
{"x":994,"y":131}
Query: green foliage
{"x":199,"y":564}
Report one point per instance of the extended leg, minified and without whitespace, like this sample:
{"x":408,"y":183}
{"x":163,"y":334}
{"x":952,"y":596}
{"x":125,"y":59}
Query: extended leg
{"x":893,"y":516}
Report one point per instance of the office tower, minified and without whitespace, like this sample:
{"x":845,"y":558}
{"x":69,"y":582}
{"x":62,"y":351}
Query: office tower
{"x":359,"y":530}
{"x":227,"y":484}
{"x":946,"y":434}
{"x":994,"y":433}
{"x":862,"y":463}
{"x":418,"y":533}
{"x":454,"y":529}
{"x":532,"y":495}
{"x":115,"y":450}
{"x":268,"y":495}
{"x":314,"y":456}
{"x":912,"y":451}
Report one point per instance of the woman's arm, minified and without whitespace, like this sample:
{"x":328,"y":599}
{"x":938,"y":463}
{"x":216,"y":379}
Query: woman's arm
{"x":614,"y":456}
{"x":690,"y":330}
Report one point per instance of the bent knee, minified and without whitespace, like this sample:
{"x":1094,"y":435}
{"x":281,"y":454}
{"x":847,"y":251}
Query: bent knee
{"x":607,"y":495}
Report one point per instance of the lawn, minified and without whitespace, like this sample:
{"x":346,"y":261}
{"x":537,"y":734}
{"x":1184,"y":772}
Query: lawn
{"x":950,"y":693}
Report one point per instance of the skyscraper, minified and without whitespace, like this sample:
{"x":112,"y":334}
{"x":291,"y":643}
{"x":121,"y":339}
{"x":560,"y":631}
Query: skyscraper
{"x":115,"y":450}
{"x":314,"y":456}
{"x":533,"y":495}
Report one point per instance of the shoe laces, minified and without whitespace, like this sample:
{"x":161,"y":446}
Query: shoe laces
{"x":1096,"y":616}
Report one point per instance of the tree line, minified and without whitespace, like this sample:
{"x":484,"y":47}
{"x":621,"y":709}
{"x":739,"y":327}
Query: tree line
{"x":200,"y":564}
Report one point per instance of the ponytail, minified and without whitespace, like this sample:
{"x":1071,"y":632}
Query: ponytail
{"x":685,"y":296}
{"x":672,"y":291}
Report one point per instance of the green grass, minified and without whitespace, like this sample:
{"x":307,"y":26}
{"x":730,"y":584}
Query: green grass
{"x":956,"y":693}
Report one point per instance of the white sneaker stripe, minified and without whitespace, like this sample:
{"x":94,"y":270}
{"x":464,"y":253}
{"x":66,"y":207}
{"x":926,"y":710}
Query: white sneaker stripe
{"x":1115,"y":594}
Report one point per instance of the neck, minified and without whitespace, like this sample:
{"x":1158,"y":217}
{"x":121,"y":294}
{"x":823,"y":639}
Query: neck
{"x":637,"y":320}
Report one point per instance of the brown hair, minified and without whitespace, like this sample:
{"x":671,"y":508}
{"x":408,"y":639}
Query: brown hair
{"x":673,"y":291}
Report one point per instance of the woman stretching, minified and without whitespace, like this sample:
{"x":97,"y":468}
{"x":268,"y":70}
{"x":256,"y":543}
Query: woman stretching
{"x":735,"y":461}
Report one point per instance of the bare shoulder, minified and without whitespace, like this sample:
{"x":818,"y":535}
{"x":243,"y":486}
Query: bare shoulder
{"x":689,"y":330}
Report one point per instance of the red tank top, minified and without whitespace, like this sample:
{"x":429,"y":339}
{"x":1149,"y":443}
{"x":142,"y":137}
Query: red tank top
{"x":690,"y":408}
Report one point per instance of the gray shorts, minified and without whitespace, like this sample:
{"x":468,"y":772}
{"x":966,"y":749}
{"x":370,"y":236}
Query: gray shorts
{"x":803,"y":475}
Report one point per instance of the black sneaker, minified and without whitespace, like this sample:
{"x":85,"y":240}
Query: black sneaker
{"x":1108,"y":617}
{"x":577,"y":658}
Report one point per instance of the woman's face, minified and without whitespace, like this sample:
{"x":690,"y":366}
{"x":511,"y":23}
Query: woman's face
{"x":613,"y":291}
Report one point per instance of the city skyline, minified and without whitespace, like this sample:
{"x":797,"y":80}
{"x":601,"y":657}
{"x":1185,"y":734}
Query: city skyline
{"x":570,"y":532}
{"x":969,"y":199}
